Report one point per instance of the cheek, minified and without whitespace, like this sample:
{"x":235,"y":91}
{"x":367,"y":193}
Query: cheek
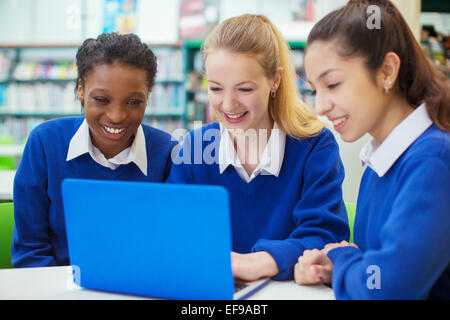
{"x":214,"y":100}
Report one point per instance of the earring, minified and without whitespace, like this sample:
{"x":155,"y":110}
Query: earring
{"x":387,"y":86}
{"x":273,"y":93}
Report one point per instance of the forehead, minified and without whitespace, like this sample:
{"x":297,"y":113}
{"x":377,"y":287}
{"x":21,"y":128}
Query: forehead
{"x":117,"y":77}
{"x":323,"y":56}
{"x":224,"y":65}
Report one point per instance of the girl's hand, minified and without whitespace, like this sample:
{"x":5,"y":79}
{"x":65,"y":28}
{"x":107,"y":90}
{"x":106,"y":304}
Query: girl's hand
{"x":332,"y":246}
{"x":313,"y":267}
{"x":253,"y":266}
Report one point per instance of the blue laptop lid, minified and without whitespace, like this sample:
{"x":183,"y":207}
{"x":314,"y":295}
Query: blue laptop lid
{"x":152,"y":239}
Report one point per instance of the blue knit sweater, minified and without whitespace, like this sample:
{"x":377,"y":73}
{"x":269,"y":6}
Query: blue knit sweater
{"x":300,"y":209}
{"x":402,"y":228}
{"x":39,"y":236}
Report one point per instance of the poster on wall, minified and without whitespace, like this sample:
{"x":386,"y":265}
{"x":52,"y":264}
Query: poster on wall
{"x":305,"y":10}
{"x":197,"y":18}
{"x":119,"y":16}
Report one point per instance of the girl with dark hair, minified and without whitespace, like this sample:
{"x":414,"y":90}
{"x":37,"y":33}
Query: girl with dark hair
{"x":115,"y":76}
{"x":378,"y":81}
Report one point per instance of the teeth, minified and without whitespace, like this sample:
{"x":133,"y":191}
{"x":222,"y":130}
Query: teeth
{"x":235,"y":116}
{"x":339,"y":121}
{"x":112,"y":130}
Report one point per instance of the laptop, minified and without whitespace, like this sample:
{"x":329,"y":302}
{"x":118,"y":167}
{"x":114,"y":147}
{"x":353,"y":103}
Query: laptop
{"x":152,"y":239}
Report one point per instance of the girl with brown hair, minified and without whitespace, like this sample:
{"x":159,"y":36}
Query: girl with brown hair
{"x":377,"y":80}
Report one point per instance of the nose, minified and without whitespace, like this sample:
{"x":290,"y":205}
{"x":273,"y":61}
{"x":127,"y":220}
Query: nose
{"x":228,"y":102}
{"x":323,"y":105}
{"x":117,"y":113}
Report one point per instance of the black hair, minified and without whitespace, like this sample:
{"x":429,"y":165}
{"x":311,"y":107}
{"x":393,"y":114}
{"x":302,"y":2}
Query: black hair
{"x":418,"y":79}
{"x":111,"y":48}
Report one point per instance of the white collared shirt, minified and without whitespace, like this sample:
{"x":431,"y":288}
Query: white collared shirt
{"x":382,"y":157}
{"x":271,"y":160}
{"x":81,"y":143}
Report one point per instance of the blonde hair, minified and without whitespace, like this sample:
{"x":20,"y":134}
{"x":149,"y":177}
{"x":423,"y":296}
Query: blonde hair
{"x":256,"y":35}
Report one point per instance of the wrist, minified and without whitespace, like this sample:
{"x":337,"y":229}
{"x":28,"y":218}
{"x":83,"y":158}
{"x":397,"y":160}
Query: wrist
{"x":267,"y":264}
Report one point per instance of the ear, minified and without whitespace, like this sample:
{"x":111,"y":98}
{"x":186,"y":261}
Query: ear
{"x":277,"y":78}
{"x":80,"y":93}
{"x":388,"y":72}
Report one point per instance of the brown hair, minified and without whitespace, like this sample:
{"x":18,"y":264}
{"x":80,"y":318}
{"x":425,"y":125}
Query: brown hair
{"x":418,"y":80}
{"x":256,"y":35}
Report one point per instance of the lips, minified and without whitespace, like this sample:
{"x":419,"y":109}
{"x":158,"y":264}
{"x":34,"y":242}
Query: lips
{"x":339,"y":123}
{"x":113,"y":132}
{"x":235,"y":117}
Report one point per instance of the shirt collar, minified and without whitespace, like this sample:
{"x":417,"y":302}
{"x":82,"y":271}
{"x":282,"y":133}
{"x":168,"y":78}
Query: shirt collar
{"x":382,"y":157}
{"x":270,"y":162}
{"x":81,"y":143}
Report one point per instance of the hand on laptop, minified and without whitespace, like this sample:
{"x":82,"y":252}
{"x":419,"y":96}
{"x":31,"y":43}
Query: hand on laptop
{"x":253,"y":266}
{"x":314,"y":266}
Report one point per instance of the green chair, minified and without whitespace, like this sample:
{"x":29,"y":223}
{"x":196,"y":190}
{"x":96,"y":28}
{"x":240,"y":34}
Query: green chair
{"x":7,"y":163}
{"x":351,"y":211}
{"x":6,"y":230}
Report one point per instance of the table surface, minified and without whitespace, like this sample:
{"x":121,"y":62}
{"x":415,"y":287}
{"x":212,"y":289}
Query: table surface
{"x":56,"y":283}
{"x":6,"y":184}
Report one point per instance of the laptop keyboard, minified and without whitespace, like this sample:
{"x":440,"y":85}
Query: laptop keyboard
{"x":238,"y":286}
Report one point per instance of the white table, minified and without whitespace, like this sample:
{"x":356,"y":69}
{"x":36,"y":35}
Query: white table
{"x":56,"y":283}
{"x":6,"y":184}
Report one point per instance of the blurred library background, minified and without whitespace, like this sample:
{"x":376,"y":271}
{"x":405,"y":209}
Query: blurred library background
{"x":39,"y":40}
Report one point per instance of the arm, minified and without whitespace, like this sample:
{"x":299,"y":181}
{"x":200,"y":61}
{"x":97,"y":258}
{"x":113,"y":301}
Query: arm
{"x":414,"y":241}
{"x":31,"y":245}
{"x":319,"y":215}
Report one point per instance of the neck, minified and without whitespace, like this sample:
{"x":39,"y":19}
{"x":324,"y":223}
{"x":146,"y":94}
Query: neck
{"x":396,"y":110}
{"x":250,"y":146}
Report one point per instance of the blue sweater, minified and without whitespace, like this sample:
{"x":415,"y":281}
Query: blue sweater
{"x":402,"y":228}
{"x":39,"y":236}
{"x":300,"y":209}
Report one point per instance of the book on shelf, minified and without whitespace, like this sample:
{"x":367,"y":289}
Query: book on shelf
{"x":170,"y":64}
{"x":6,"y":63}
{"x":166,"y":99}
{"x":61,"y":70}
{"x":40,"y":98}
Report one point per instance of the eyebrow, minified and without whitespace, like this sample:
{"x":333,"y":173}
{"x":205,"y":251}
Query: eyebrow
{"x":323,"y":74}
{"x":240,"y":83}
{"x":107,"y":92}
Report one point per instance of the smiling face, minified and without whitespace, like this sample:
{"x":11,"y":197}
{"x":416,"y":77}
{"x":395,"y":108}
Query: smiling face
{"x":239,"y":90}
{"x":115,"y":98}
{"x":347,"y":93}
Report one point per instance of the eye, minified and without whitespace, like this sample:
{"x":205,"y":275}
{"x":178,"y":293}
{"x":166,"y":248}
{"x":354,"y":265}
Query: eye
{"x":314,"y":92}
{"x":215,"y":89}
{"x":135,"y":102}
{"x":333,"y":85}
{"x":246,"y":89}
{"x":101,"y":100}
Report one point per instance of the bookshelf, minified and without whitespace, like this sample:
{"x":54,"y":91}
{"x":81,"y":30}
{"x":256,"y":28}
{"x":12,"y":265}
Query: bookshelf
{"x":197,"y":106}
{"x":37,"y":83}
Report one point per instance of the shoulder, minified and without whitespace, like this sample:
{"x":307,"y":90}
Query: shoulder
{"x":156,"y":136}
{"x":206,"y":134}
{"x":432,"y":143}
{"x":208,"y":129}
{"x":55,"y":129}
{"x":431,"y":149}
{"x":323,"y":140}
